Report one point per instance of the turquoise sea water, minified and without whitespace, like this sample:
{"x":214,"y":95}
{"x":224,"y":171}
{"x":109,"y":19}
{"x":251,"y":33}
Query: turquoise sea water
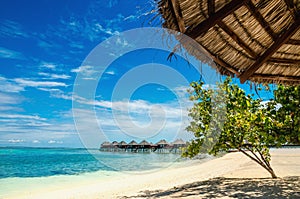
{"x":41,"y":162}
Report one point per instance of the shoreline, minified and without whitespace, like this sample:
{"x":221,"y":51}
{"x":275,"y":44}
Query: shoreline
{"x":17,"y":187}
{"x":286,"y":162}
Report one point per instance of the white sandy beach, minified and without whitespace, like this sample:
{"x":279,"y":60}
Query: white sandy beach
{"x":285,"y":162}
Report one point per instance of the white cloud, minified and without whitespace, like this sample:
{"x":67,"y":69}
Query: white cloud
{"x":61,"y":95}
{"x":84,"y":70}
{"x":141,"y":107}
{"x":51,"y":90}
{"x":126,"y":125}
{"x":9,"y":95}
{"x":10,"y":28}
{"x":9,"y":99}
{"x":7,"y":85}
{"x":160,"y":89}
{"x":16,"y":140}
{"x":111,"y":72}
{"x":30,"y":83}
{"x":89,"y":78}
{"x":20,"y":116}
{"x":10,"y":54}
{"x":48,"y":65}
{"x":98,"y":27}
{"x":60,"y":76}
{"x":137,"y":117}
{"x":41,"y":130}
{"x":61,"y":131}
{"x":54,"y":76}
{"x":122,"y":42}
{"x":55,"y":142}
{"x":130,"y":17}
{"x":170,"y":109}
{"x":50,"y":46}
{"x":9,"y":108}
{"x":32,"y":123}
{"x":91,"y":27}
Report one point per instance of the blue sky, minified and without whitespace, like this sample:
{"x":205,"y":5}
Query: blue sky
{"x":45,"y":55}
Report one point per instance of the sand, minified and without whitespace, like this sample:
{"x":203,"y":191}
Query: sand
{"x":231,"y":176}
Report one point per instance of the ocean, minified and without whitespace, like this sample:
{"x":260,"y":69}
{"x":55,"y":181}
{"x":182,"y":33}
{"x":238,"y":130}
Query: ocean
{"x":44,"y":162}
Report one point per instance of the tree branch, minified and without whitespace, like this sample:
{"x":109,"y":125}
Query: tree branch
{"x":249,"y":149}
{"x":265,"y":161}
{"x":252,"y":158}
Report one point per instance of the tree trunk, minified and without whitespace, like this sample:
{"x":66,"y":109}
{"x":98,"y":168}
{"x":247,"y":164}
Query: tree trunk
{"x":262,"y":162}
{"x":270,"y":170}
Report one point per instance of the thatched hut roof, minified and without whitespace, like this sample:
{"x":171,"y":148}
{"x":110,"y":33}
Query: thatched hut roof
{"x":162,"y":142}
{"x":122,"y":143}
{"x":257,"y":40}
{"x":144,"y":143}
{"x":106,"y":144}
{"x":179,"y":142}
{"x":133,"y":143}
{"x":115,"y":143}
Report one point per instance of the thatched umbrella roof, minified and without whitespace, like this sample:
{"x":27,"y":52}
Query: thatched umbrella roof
{"x":252,"y":39}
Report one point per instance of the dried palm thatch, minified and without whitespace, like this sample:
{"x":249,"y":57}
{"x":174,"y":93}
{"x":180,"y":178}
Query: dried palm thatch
{"x":133,"y":143}
{"x":106,"y":144}
{"x":144,"y":143}
{"x":162,"y":142}
{"x":122,"y":143}
{"x":179,"y":142}
{"x":257,"y":40}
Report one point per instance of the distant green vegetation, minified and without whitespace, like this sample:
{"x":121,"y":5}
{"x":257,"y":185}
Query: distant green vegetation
{"x":225,"y":118}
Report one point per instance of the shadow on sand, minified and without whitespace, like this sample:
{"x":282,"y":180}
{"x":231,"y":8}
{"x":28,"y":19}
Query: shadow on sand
{"x":288,"y":187}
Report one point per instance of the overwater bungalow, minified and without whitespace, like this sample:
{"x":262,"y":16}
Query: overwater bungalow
{"x":110,"y":147}
{"x":162,"y":143}
{"x":153,"y":146}
{"x":132,"y":146}
{"x":163,"y":146}
{"x":106,"y":146}
{"x":144,"y":147}
{"x":115,"y":143}
{"x":178,"y":145}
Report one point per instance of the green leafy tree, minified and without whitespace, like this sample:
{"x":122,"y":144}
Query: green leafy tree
{"x":288,"y":99}
{"x":225,"y":118}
